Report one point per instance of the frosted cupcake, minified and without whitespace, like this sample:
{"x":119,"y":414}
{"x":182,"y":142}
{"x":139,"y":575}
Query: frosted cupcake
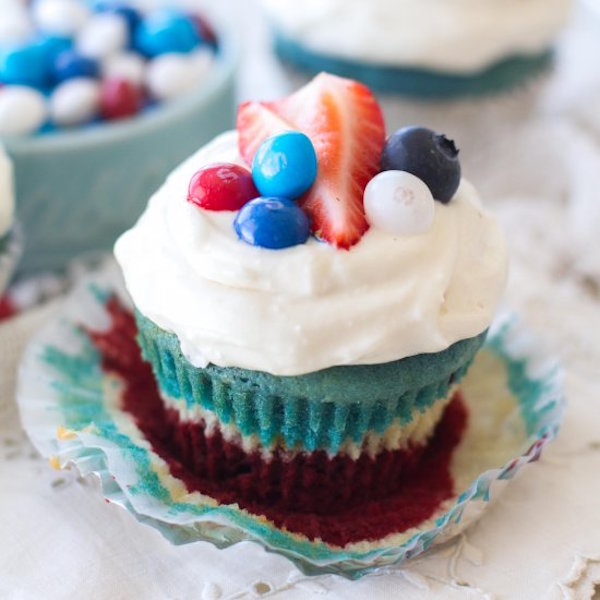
{"x":308,"y":308}
{"x":420,"y":48}
{"x":9,"y":245}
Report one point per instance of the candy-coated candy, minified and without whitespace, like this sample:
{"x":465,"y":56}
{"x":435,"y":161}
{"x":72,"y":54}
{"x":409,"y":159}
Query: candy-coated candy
{"x":75,"y":101}
{"x":63,"y":18}
{"x":207,"y":33}
{"x":52,"y":46}
{"x":171,"y":75}
{"x":130,"y":14}
{"x":272,"y":223}
{"x":15,"y":25}
{"x":119,"y":98}
{"x":399,"y":202}
{"x":71,"y":64}
{"x":430,"y":156}
{"x":166,"y":30}
{"x":22,"y":110}
{"x":24,"y":65}
{"x":103,"y":35}
{"x":285,"y":165}
{"x":222,"y":186}
{"x":125,"y":65}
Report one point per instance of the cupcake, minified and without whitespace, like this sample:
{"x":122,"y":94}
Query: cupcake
{"x":420,"y":48}
{"x":85,"y":90}
{"x":309,"y":296}
{"x":9,"y":243}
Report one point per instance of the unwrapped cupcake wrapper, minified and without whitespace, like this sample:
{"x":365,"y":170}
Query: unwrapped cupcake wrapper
{"x":320,"y":410}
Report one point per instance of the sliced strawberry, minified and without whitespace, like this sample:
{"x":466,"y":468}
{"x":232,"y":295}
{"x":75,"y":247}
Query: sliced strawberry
{"x":345,"y":124}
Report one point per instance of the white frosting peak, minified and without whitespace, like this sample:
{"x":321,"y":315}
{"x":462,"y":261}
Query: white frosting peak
{"x":450,"y":35}
{"x":7,"y":200}
{"x":311,"y":306}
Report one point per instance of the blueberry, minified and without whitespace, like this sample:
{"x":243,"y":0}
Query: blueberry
{"x":429,"y":155}
{"x":285,"y":165}
{"x":70,"y":64}
{"x":272,"y":223}
{"x":166,"y":30}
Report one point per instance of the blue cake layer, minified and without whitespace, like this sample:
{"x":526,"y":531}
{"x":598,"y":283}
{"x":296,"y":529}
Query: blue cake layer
{"x":416,"y":82}
{"x":317,"y":410}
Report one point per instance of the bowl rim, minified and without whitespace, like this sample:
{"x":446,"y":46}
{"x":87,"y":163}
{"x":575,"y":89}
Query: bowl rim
{"x":224,"y":69}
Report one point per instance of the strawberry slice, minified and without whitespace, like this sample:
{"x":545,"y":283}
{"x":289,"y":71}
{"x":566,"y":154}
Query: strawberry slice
{"x":345,"y":124}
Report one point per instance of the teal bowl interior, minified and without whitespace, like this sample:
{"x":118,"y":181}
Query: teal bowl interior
{"x":78,"y":190}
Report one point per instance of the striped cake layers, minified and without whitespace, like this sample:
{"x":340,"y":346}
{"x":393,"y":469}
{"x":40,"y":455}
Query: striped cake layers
{"x":316,"y":411}
{"x":397,"y":436}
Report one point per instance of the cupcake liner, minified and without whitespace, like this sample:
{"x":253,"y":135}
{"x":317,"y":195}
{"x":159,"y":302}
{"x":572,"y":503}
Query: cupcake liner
{"x":317,"y":410}
{"x":415,"y":82}
{"x":73,"y":417}
{"x":11,"y":247}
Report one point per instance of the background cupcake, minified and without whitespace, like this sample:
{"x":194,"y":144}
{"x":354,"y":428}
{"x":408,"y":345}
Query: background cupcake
{"x":299,"y":373}
{"x":98,"y":103}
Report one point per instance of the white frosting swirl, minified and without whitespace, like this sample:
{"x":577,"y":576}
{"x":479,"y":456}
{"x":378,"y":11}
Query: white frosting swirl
{"x":7,"y":197}
{"x":449,"y":35}
{"x":311,"y":306}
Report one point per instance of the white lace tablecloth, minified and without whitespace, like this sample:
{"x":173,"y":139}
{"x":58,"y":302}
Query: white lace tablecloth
{"x":541,"y":539}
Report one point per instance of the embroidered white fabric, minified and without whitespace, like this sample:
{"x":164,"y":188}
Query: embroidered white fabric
{"x":58,"y":539}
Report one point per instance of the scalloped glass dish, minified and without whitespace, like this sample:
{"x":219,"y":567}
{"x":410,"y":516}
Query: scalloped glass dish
{"x":70,"y":410}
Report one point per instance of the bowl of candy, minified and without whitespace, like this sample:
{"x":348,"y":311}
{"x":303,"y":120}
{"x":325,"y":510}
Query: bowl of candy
{"x":98,"y":102}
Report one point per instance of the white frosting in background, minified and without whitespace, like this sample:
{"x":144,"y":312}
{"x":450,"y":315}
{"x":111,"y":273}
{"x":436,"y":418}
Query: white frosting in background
{"x":311,"y":306}
{"x":7,"y":196}
{"x":450,"y":35}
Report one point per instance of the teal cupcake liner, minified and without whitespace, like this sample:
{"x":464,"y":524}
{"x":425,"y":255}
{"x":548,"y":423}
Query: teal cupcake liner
{"x":70,"y":414}
{"x":415,"y":82}
{"x":319,"y":410}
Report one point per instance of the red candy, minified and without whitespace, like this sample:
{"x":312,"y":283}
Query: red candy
{"x":119,"y":98}
{"x":222,"y":186}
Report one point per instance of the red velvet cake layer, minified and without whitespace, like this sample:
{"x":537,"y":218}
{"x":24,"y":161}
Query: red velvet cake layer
{"x":336,"y":499}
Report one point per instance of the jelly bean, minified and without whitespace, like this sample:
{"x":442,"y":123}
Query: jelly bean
{"x":119,"y":98}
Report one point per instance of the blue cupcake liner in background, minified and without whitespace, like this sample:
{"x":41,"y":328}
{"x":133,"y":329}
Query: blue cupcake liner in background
{"x":416,"y":82}
{"x":73,"y":419}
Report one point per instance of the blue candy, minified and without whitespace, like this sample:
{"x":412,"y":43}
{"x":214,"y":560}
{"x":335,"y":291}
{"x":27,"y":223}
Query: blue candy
{"x":130,"y":14}
{"x":165,"y":31}
{"x":24,"y":65}
{"x":70,"y":64}
{"x":285,"y":165}
{"x":52,"y":46}
{"x":272,"y":223}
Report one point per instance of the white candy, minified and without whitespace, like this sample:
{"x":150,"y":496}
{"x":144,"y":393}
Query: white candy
{"x":103,"y":35}
{"x":75,"y":101}
{"x":125,"y":65}
{"x":22,"y":110}
{"x":171,"y":75}
{"x":398,"y":202}
{"x":15,"y":25}
{"x":60,"y":17}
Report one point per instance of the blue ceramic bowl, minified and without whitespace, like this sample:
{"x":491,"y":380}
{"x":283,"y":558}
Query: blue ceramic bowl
{"x":78,"y":190}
